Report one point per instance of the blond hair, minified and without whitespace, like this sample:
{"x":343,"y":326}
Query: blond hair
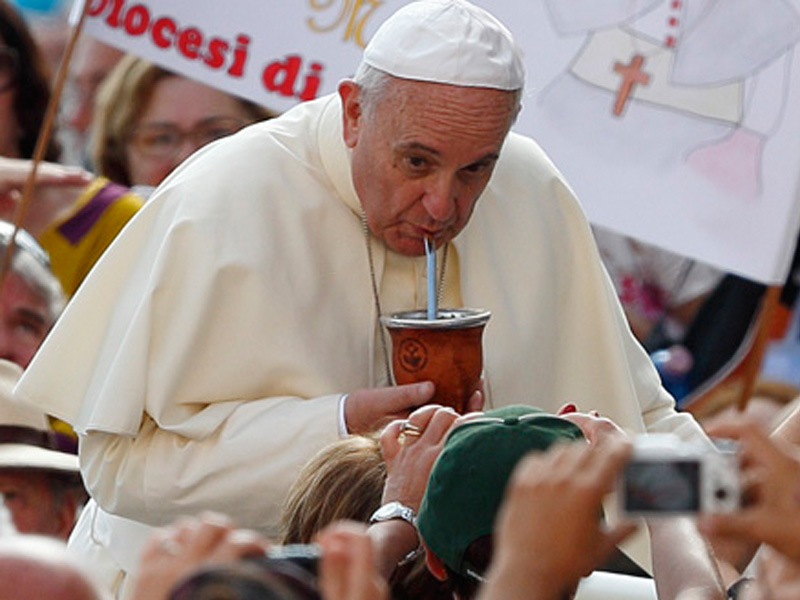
{"x":342,"y":481}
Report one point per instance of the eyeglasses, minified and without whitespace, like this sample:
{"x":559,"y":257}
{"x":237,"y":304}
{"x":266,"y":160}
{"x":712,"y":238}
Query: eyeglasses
{"x":9,"y":65}
{"x":23,"y":241}
{"x":166,"y":141}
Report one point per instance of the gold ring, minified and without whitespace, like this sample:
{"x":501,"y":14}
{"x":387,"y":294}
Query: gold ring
{"x":411,"y":430}
{"x":408,"y":430}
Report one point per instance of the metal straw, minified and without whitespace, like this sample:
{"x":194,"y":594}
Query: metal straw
{"x":430,"y":255}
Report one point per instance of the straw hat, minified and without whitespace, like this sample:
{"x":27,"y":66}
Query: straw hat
{"x":26,"y":440}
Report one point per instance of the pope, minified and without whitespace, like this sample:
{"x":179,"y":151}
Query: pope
{"x":232,"y":329}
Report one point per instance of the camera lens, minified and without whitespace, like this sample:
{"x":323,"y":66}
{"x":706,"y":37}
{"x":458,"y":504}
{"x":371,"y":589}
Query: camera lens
{"x":296,"y":565}
{"x":305,"y":556}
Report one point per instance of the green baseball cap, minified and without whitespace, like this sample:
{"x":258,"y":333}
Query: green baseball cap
{"x":468,"y":479}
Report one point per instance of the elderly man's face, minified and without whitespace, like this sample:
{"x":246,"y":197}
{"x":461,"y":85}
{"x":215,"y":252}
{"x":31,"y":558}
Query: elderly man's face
{"x":29,"y":498}
{"x":24,"y":320}
{"x":422,"y":157}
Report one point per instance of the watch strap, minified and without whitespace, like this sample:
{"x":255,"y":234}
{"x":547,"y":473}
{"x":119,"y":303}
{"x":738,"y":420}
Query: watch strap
{"x":394,"y":510}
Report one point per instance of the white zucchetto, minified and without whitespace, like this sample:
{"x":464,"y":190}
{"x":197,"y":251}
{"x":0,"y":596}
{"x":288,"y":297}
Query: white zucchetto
{"x":447,"y":41}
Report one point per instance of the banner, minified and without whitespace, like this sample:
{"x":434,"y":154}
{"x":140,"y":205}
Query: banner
{"x":276,"y":54}
{"x":674,"y":120}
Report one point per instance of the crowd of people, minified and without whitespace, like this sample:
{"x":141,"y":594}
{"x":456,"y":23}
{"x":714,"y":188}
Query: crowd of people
{"x":204,"y":408}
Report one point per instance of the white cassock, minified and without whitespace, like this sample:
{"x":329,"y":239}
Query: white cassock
{"x":203,"y":360}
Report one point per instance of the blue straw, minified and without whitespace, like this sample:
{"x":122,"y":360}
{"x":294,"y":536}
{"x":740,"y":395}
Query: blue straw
{"x":430,"y":255}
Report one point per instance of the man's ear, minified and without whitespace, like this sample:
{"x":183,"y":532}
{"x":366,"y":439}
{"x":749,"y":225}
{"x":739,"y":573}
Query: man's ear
{"x":350,"y":94}
{"x":435,"y":565}
{"x":65,"y":518}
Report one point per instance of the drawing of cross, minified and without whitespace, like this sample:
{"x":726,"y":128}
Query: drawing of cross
{"x":632,"y":74}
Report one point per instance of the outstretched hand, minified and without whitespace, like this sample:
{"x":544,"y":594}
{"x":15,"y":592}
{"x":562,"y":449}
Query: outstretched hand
{"x":410,"y":447}
{"x":549,"y":533}
{"x":173,"y":552}
{"x":347,"y":570}
{"x":56,"y":187}
{"x":771,"y":475}
{"x":410,"y":454}
{"x":593,"y":426}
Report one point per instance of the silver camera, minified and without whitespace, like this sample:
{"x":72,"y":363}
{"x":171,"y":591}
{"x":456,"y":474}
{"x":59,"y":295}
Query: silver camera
{"x":669,"y":476}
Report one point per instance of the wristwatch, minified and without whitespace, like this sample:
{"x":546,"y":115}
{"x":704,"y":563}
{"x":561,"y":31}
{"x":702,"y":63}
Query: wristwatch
{"x":394,"y":510}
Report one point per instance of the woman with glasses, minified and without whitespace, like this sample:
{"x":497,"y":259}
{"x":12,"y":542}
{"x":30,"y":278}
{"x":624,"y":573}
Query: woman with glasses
{"x":148,"y":120}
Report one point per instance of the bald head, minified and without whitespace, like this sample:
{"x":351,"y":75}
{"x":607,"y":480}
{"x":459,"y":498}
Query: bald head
{"x":38,"y":567}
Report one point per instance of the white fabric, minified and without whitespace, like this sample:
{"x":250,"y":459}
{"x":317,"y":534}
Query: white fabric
{"x":447,"y":41}
{"x":94,"y":543}
{"x":209,"y":348}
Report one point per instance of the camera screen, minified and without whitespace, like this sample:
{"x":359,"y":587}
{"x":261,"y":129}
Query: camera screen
{"x":662,"y":487}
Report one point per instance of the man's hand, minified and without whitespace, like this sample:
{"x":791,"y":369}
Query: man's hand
{"x":173,"y":552}
{"x":409,"y":447}
{"x":549,"y":533}
{"x":14,"y":172}
{"x":409,"y":459}
{"x":57,"y":186}
{"x":347,"y":570}
{"x":594,"y":427}
{"x":771,"y":475}
{"x":368,"y":410}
